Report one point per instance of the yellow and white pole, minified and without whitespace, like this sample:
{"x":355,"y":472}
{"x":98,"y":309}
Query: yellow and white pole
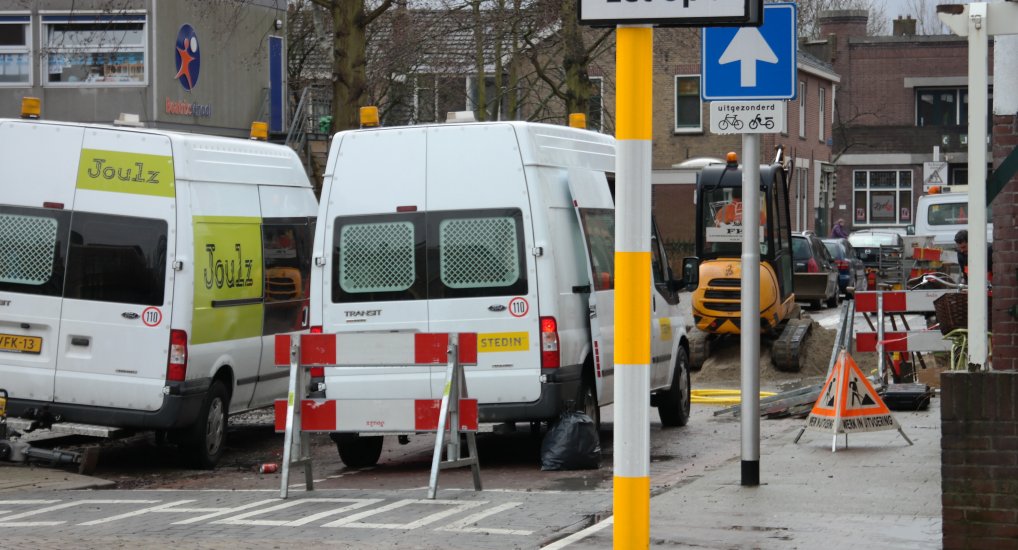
{"x":634,"y":75}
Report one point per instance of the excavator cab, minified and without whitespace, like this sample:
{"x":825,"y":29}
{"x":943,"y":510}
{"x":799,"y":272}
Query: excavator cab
{"x":716,"y":300}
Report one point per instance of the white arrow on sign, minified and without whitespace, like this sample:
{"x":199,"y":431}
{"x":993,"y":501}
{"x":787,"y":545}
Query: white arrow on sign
{"x":747,"y":47}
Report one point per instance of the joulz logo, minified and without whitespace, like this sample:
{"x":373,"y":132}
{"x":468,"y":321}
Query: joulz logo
{"x":121,"y":173}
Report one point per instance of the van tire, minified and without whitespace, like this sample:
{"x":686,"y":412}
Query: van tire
{"x":673,"y":405}
{"x":586,"y":401}
{"x":203,"y":443}
{"x":358,"y":451}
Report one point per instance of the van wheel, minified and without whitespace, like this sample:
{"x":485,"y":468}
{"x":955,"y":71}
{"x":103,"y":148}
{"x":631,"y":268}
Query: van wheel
{"x":674,"y":404}
{"x":586,"y":401}
{"x":203,"y":442}
{"x":356,"y":451}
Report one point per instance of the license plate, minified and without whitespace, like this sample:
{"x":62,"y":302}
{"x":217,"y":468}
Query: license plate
{"x":20,"y":344}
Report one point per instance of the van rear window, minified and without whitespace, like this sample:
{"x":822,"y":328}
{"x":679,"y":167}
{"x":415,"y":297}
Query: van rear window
{"x":116,"y":259}
{"x":33,"y":243}
{"x":428,"y":255}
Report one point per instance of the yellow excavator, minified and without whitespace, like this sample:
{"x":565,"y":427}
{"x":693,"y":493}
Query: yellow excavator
{"x":716,"y":300}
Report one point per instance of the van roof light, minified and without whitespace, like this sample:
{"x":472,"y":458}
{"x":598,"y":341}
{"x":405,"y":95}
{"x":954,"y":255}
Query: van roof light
{"x":460,"y":116}
{"x":369,"y":116}
{"x":732,"y":158}
{"x":935,"y":189}
{"x":578,"y":120}
{"x":259,"y":131}
{"x":31,"y":107}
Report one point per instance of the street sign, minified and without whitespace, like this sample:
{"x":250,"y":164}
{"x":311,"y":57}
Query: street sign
{"x":670,"y":13}
{"x":748,"y":117}
{"x":746,"y":63}
{"x":934,"y":174}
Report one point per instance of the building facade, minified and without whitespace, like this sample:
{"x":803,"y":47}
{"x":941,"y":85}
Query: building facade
{"x":903,"y":102}
{"x":185,"y":65}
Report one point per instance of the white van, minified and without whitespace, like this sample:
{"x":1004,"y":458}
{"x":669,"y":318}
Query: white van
{"x":143,"y":274}
{"x":943,"y":215}
{"x":505,"y":229}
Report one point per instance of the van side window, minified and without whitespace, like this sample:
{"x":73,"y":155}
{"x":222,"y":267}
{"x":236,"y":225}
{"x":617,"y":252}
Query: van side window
{"x":33,"y":242}
{"x":379,"y":258}
{"x":116,"y":259}
{"x":599,"y":230}
{"x":476,"y":253}
{"x":286,"y":251}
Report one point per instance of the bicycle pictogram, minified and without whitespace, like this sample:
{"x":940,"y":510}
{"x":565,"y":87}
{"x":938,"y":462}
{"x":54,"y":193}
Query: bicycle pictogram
{"x":730,"y":120}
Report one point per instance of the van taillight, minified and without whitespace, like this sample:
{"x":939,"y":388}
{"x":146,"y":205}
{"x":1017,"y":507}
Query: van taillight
{"x":317,"y":372}
{"x":842,"y":264}
{"x":549,"y":343}
{"x":176,"y":364}
{"x":812,"y":267}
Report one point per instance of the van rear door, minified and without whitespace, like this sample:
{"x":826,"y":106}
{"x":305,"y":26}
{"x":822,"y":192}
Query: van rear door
{"x":115,"y":329}
{"x":37,"y":167}
{"x":480,"y":234}
{"x":376,"y":274}
{"x":593,"y":203}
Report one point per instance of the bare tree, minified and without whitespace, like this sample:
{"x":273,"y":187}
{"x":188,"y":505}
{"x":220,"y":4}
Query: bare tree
{"x":925,"y":14}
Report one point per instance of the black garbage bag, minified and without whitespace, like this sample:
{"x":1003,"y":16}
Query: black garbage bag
{"x":572,"y":443}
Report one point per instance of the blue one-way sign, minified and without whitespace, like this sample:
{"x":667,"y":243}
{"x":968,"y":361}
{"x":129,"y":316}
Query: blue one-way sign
{"x":752,"y":63}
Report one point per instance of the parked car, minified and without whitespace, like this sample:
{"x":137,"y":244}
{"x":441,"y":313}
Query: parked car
{"x":867,"y":243}
{"x":814,"y":275}
{"x":851,"y":271}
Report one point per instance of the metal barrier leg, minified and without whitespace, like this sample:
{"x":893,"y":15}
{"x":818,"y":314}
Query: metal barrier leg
{"x":293,"y":438}
{"x":449,"y":420}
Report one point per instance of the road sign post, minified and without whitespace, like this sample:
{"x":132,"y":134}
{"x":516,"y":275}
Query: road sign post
{"x":974,"y":21}
{"x":750,"y":67}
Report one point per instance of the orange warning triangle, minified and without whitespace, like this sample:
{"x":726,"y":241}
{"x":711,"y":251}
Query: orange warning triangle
{"x":848,"y":402}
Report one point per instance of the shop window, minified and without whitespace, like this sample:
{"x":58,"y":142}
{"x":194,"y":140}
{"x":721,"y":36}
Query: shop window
{"x":95,"y":50}
{"x":882,"y":197}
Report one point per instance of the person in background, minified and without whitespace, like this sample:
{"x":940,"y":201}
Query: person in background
{"x":961,"y":241}
{"x":838,"y":231}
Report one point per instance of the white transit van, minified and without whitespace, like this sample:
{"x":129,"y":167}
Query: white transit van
{"x":143,"y":274}
{"x":505,"y":229}
{"x":943,"y":215}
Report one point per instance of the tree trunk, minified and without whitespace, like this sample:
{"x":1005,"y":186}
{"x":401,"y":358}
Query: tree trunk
{"x":349,"y":63}
{"x":574,"y":61}
{"x":482,"y":92}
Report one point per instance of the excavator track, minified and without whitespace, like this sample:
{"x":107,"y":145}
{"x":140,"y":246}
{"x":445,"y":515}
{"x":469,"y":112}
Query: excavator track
{"x":699,"y":349}
{"x":787,"y":349}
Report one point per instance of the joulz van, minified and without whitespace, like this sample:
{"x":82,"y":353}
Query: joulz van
{"x":505,"y":229}
{"x":142,"y":274}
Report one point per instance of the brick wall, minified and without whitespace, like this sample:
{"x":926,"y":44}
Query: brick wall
{"x":979,"y":460}
{"x":1005,"y":251}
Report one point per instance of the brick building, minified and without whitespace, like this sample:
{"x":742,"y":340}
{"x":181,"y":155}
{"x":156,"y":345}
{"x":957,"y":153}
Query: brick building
{"x":901,"y":96}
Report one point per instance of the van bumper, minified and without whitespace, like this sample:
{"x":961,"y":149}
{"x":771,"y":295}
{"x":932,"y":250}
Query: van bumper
{"x":179,"y":409}
{"x":561,"y":387}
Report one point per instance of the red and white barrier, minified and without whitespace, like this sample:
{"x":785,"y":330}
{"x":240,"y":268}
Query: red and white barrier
{"x":453,"y":413}
{"x":917,"y":340}
{"x":375,"y":415}
{"x":374,"y":349}
{"x":899,"y":301}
